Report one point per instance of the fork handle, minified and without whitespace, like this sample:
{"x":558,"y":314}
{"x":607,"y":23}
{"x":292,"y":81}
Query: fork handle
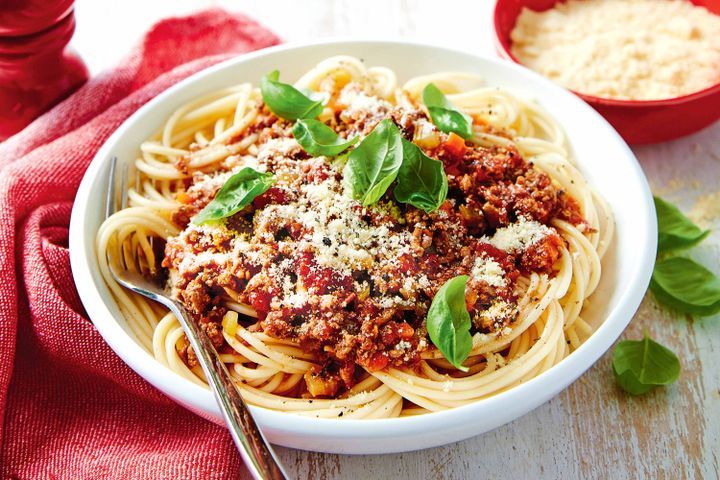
{"x":255,"y":450}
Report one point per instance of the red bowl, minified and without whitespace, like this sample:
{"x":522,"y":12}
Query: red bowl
{"x":638,"y":121}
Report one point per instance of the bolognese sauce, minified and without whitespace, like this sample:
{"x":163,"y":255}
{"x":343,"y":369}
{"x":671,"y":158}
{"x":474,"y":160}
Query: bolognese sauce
{"x":352,"y":283}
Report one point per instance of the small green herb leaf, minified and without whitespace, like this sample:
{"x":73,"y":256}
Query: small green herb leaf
{"x":675,"y":230}
{"x":287,"y":101}
{"x":686,"y":286}
{"x":421,"y":180}
{"x":444,"y":115}
{"x":374,"y":163}
{"x":235,"y":194}
{"x":640,"y":365}
{"x":318,"y":139}
{"x":448,"y":322}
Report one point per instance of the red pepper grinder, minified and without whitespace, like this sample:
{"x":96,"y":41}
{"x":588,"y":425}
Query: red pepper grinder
{"x":37,"y":70}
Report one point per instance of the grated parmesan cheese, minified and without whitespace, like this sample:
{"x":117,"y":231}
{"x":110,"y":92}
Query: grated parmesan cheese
{"x":202,"y":259}
{"x":489,"y":271}
{"x":361,"y":111}
{"x":519,"y":235}
{"x":403,"y":345}
{"x":390,"y":302}
{"x":275,"y":147}
{"x":497,"y":314}
{"x":339,"y":236}
{"x":625,"y":49}
{"x":358,"y":102}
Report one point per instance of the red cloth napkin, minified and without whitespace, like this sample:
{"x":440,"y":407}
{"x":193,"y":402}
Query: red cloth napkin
{"x":71,"y":407}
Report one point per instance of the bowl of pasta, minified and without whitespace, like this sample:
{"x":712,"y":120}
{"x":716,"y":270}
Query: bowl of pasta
{"x":392,"y":245}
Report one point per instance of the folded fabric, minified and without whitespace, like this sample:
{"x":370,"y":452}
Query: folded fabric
{"x":71,"y":407}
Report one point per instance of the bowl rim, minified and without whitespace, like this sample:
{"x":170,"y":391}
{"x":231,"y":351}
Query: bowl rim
{"x":200,"y":400}
{"x":503,"y":48}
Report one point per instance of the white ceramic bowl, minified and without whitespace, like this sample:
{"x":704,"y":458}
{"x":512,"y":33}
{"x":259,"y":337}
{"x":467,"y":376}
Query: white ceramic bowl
{"x":604,"y":159}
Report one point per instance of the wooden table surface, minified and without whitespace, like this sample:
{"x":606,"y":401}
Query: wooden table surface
{"x":591,"y":430}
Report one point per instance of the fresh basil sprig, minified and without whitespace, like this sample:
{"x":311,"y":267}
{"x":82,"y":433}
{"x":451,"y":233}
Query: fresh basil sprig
{"x":448,"y":322}
{"x":444,"y":115}
{"x":237,"y":193}
{"x":318,"y":139}
{"x":640,"y":365}
{"x":675,"y":230}
{"x":374,"y":163}
{"x":384,"y":156}
{"x":421,"y":180}
{"x":686,"y":286}
{"x":287,"y":101}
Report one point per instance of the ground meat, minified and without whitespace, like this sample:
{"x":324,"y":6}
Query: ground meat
{"x":498,"y":207}
{"x":569,"y":210}
{"x":193,"y":200}
{"x":542,"y":255}
{"x":195,"y":296}
{"x":498,"y":187}
{"x":269,"y":126}
{"x":535,"y":196}
{"x":406,"y":120}
{"x":187,"y":354}
{"x":369,"y":315}
{"x":495,"y":164}
{"x":211,"y":324}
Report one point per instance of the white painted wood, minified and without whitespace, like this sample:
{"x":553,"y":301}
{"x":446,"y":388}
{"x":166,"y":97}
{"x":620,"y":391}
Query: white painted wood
{"x":592,"y":430}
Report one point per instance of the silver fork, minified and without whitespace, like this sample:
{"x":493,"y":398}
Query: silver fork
{"x":254,"y":449}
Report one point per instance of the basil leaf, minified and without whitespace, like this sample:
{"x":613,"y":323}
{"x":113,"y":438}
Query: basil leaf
{"x":640,"y":365}
{"x":421,"y":180}
{"x":236,"y":194}
{"x":444,"y":115}
{"x":318,"y":139}
{"x":287,"y":101}
{"x":686,"y":286}
{"x":374,"y":163}
{"x":675,"y":230}
{"x":448,"y":322}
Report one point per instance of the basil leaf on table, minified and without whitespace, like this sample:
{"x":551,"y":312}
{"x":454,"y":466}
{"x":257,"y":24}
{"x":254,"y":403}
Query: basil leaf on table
{"x":675,"y":230}
{"x":236,"y":194}
{"x":287,"y":101}
{"x":374,"y":163}
{"x":318,"y":139}
{"x":448,"y":322}
{"x":686,"y":286}
{"x":444,"y":115}
{"x":421,"y":180}
{"x":640,"y":365}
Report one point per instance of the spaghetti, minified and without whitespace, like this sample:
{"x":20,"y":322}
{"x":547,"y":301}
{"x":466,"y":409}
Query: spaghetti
{"x":316,"y":303}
